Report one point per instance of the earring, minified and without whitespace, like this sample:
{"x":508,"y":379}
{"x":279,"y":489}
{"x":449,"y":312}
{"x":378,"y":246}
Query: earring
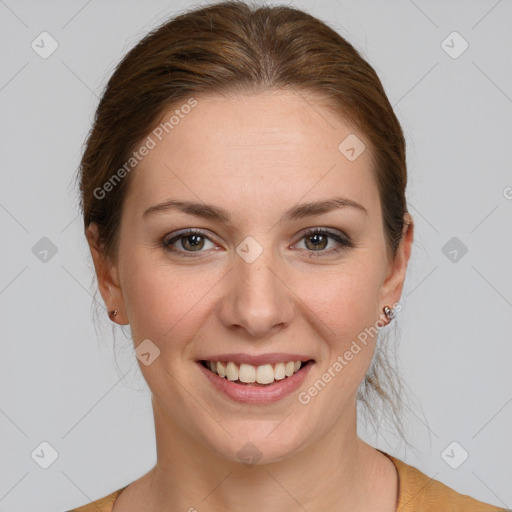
{"x":113,"y":314}
{"x":389,"y":312}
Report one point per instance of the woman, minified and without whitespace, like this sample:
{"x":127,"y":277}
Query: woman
{"x":243,"y":191}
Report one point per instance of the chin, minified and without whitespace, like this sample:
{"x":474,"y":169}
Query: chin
{"x":252,"y":445}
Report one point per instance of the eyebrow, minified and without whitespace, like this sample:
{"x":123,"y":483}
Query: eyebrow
{"x":216,"y":213}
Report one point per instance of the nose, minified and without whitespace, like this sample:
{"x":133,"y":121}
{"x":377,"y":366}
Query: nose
{"x":257,"y":299}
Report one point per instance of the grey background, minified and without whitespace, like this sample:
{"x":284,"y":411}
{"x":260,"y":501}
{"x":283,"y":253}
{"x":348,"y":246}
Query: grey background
{"x":60,"y":385}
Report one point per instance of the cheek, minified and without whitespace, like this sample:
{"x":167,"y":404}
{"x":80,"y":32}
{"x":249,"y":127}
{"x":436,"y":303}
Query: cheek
{"x":345,"y":305}
{"x":164,"y":303}
{"x":346,"y":300}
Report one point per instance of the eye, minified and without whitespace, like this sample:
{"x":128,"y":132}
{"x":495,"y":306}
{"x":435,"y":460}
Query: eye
{"x":317,"y":239}
{"x":191,"y":241}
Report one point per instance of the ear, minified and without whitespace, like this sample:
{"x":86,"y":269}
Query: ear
{"x":391,"y":288}
{"x":107,"y":275}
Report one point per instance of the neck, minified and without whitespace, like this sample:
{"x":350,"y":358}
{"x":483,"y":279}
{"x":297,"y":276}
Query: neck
{"x":338,"y":472}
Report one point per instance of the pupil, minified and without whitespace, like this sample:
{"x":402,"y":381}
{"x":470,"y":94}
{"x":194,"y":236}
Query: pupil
{"x":193,"y":240}
{"x":319,"y":240}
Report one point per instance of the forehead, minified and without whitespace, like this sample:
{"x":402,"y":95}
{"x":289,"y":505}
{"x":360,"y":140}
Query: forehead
{"x":258,"y":149}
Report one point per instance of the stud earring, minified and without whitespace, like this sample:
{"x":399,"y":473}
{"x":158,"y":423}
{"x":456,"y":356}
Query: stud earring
{"x":389,"y":312}
{"x":113,"y":313}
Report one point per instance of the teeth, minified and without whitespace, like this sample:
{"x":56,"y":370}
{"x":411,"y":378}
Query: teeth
{"x":247,"y":373}
{"x":264,"y":374}
{"x":220,"y":370}
{"x":288,"y":368}
{"x":232,"y":371}
{"x":279,"y":372}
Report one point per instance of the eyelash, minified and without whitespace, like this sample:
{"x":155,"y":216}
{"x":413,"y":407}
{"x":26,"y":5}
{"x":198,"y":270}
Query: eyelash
{"x":344,"y":242}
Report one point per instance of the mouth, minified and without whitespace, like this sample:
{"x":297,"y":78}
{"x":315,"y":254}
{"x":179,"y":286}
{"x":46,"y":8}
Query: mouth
{"x":258,"y":376}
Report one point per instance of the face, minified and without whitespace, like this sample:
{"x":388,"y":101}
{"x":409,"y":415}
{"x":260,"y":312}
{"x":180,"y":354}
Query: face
{"x":252,"y":279}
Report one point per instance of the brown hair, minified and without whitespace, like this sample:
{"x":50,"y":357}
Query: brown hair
{"x":232,"y":47}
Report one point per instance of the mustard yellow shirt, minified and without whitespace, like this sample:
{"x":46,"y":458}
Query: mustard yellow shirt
{"x":417,"y":493}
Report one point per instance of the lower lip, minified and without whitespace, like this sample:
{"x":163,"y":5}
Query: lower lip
{"x":245,"y":393}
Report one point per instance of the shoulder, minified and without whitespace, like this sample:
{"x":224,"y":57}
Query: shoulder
{"x":420,"y":493}
{"x":102,"y":505}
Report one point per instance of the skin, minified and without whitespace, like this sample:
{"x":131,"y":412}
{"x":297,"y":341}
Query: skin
{"x":256,"y":156}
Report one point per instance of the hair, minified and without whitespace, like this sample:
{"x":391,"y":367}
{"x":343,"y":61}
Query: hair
{"x":234,"y":48}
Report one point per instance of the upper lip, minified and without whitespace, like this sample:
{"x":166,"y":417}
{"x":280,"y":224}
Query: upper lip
{"x":273,"y":358}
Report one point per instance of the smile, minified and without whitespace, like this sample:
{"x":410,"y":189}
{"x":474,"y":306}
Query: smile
{"x":250,"y":384}
{"x":247,"y":373}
